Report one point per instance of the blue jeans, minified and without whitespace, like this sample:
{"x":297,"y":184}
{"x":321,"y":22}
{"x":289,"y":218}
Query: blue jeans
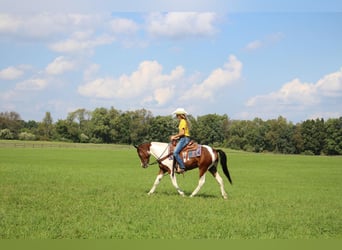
{"x":180,"y":145}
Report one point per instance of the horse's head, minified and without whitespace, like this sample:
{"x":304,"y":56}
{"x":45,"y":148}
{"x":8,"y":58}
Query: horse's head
{"x":144,"y":153}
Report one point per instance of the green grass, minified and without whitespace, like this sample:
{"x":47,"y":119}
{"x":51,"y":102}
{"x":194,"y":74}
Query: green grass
{"x":63,"y":192}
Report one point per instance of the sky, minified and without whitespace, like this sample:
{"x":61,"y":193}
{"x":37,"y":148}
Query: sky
{"x":243,"y":58}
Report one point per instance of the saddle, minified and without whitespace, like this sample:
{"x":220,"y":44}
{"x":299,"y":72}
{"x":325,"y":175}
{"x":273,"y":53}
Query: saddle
{"x":191,"y":150}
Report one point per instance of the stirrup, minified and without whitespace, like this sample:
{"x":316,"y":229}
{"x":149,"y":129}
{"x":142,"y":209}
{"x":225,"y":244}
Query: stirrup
{"x":180,"y":170}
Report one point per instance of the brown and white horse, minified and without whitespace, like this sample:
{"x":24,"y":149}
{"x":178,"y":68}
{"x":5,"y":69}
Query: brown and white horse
{"x":207,"y":161}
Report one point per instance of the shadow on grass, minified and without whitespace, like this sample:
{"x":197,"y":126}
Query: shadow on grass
{"x":187,"y":194}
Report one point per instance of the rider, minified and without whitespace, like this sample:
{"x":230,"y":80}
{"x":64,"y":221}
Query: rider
{"x":183,"y":136}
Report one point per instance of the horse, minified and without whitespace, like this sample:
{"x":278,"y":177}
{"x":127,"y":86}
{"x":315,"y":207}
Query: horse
{"x":206,"y":161}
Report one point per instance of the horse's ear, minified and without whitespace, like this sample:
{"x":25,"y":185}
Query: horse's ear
{"x":135,"y":146}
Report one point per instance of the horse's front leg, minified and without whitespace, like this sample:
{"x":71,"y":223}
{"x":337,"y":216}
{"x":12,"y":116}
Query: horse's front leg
{"x":175,"y":184}
{"x":156,"y":182}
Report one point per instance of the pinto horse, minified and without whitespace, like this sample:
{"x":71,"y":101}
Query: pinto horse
{"x":207,"y":161}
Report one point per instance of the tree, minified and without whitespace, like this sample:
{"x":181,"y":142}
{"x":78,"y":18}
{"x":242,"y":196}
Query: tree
{"x":6,"y":134}
{"x":211,"y":129}
{"x":161,"y":128}
{"x":31,"y":126}
{"x":12,"y":122}
{"x":46,"y":127}
{"x":67,"y":130}
{"x":26,"y":136}
{"x":237,"y":138}
{"x":279,"y":136}
{"x":139,"y":125}
{"x":100,"y":125}
{"x":255,"y":135}
{"x":297,"y":139}
{"x":333,"y":140}
{"x":81,"y":118}
{"x":133,"y":127}
{"x":313,"y":133}
{"x":120,"y":132}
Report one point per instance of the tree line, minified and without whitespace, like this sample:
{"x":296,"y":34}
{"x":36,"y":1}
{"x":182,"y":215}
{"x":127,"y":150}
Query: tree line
{"x":102,"y":125}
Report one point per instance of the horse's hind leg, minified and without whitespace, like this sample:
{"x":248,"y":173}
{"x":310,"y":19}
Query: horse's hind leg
{"x":219,"y":180}
{"x":200,"y":184}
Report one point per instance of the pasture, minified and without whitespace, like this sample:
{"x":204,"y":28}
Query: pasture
{"x":74,"y":191}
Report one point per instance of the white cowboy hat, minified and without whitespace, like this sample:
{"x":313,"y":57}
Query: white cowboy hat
{"x":180,"y":111}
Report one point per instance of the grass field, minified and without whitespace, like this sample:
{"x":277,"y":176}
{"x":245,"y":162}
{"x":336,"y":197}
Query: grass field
{"x":59,"y":191}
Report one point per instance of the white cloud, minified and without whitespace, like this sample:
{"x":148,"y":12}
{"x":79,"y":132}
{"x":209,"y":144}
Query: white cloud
{"x":123,"y":26}
{"x":293,"y":92}
{"x":265,"y":42}
{"x":8,"y":24}
{"x":300,"y":97}
{"x":115,"y":6}
{"x":90,"y":71}
{"x":74,"y":32}
{"x":164,"y":95}
{"x":11,"y":73}
{"x":217,"y":80}
{"x":32,"y":84}
{"x":181,"y":24}
{"x":153,"y":87}
{"x":80,"y":43}
{"x":297,"y":92}
{"x":44,"y":26}
{"x":66,"y":32}
{"x":7,"y":96}
{"x":331,"y":85}
{"x":254,"y":45}
{"x":60,"y":65}
{"x":147,"y":83}
{"x":103,"y":32}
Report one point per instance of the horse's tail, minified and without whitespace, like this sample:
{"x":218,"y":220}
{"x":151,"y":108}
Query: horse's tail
{"x":223,"y":161}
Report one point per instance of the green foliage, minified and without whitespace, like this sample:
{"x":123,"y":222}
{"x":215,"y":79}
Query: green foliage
{"x":26,"y":136}
{"x":11,"y":121}
{"x":161,"y":128}
{"x":84,"y":138}
{"x":134,"y":127}
{"x":279,"y":136}
{"x":210,"y":129}
{"x":46,"y":128}
{"x":100,"y":123}
{"x":333,"y":140}
{"x":138,"y":126}
{"x":82,"y":191}
{"x":239,"y":134}
{"x":6,"y":134}
{"x":313,"y":133}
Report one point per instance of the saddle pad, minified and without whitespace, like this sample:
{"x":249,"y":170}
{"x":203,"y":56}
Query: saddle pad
{"x":195,"y":153}
{"x":187,"y":154}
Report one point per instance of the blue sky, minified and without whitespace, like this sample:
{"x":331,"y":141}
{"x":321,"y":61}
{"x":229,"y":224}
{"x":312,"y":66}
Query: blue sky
{"x":243,"y":58}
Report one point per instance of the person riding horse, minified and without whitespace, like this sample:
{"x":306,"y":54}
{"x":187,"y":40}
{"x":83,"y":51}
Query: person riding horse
{"x":206,"y":159}
{"x":183,"y":136}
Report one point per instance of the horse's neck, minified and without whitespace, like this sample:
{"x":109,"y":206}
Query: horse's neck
{"x":159,"y":149}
